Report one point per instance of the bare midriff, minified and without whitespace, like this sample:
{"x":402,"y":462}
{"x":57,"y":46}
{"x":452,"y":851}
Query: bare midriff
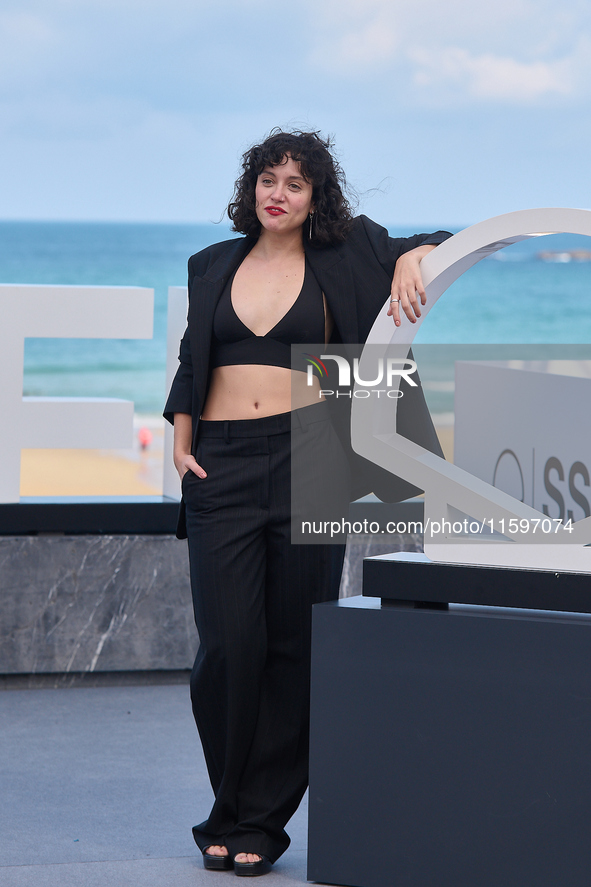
{"x":251,"y":391}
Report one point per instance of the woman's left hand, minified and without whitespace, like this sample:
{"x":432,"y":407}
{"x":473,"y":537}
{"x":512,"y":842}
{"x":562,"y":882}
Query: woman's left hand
{"x":407,"y":285}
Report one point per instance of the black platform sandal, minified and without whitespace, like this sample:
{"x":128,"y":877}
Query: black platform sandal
{"x":250,"y":869}
{"x":217,"y":863}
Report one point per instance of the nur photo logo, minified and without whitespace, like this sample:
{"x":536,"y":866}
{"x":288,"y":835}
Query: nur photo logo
{"x":389,"y":372}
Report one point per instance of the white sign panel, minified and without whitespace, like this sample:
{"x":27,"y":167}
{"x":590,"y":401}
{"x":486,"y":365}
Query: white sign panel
{"x":527,"y":433}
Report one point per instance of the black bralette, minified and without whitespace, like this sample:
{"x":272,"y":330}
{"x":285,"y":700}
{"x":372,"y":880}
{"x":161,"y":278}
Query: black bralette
{"x":234,"y":343}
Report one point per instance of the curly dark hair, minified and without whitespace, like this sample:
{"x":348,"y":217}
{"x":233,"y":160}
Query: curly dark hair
{"x":332,"y":214}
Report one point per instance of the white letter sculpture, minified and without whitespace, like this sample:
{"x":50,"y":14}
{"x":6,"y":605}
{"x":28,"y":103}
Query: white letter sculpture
{"x":88,"y":312}
{"x":177,"y":321}
{"x":449,"y":489}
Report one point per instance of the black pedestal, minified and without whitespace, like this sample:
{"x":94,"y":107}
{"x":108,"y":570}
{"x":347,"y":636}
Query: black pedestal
{"x":450,"y":748}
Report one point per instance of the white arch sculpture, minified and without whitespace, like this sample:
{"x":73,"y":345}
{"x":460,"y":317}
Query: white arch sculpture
{"x":447,"y":487}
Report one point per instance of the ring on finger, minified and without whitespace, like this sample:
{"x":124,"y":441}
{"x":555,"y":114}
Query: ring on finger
{"x":394,"y":300}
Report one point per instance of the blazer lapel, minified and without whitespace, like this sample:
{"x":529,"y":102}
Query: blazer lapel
{"x":205,"y":294}
{"x":334,"y":274}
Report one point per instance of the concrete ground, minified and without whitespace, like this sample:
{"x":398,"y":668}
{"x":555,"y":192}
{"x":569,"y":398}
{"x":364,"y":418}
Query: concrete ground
{"x":100,"y":786}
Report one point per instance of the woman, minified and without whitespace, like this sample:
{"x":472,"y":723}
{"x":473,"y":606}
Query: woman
{"x":305,"y":272}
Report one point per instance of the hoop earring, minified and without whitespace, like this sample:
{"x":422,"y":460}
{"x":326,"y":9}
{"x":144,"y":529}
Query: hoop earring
{"x":311,"y":218}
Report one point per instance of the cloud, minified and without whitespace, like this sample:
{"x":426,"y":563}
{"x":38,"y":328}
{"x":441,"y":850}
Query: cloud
{"x":370,"y":46}
{"x":490,"y":76}
{"x":517,"y":53}
{"x":355,"y":38}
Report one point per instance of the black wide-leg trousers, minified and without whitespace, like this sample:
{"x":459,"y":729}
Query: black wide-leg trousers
{"x":253,"y":593}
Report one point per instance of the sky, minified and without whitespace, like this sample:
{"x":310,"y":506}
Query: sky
{"x":443,"y":112}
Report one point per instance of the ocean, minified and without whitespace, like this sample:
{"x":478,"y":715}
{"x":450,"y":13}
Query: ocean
{"x":514,"y":297}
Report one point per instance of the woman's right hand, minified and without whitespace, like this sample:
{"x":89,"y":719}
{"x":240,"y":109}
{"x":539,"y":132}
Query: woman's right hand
{"x":187,"y":462}
{"x":183,"y":460}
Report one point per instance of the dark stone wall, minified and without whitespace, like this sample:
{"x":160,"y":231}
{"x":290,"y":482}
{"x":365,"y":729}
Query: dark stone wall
{"x":94,"y":603}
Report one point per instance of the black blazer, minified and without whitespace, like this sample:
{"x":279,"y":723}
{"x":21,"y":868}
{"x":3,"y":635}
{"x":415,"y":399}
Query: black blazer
{"x":355,"y":277}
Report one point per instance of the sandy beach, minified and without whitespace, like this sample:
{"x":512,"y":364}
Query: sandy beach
{"x":134,"y":472}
